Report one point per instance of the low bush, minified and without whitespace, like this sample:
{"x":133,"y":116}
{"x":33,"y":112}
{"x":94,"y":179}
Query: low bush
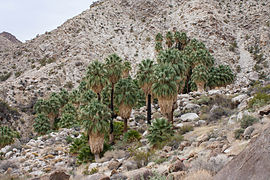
{"x":4,"y":77}
{"x":118,"y":129}
{"x":7,"y":136}
{"x":247,"y":121}
{"x":159,"y":132}
{"x":140,"y":156}
{"x":132,"y":136}
{"x":238,"y":133}
{"x":259,"y":100}
{"x":186,"y":128}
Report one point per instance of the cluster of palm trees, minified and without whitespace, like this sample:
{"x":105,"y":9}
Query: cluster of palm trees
{"x":108,"y":90}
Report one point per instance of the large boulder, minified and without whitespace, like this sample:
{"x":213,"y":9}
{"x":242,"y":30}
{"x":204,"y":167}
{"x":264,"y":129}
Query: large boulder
{"x":139,"y":174}
{"x":189,"y":117}
{"x":252,"y":163}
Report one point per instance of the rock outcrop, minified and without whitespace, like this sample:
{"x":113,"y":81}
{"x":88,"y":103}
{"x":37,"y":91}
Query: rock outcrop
{"x":253,"y":163}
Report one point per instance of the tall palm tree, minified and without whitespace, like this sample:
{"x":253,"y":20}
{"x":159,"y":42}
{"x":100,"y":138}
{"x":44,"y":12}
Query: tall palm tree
{"x":113,"y":65}
{"x":200,"y":76}
{"x":145,"y":77}
{"x":220,"y":76}
{"x":54,"y":107}
{"x":87,"y":97}
{"x":159,"y":37}
{"x":74,"y":98}
{"x":95,"y":120}
{"x":165,"y":88}
{"x":126,"y":69}
{"x":96,"y":77}
{"x":125,"y":98}
{"x":158,"y":47}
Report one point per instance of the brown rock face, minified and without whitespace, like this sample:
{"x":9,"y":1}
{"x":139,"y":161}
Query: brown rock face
{"x":253,"y":163}
{"x":10,"y":37}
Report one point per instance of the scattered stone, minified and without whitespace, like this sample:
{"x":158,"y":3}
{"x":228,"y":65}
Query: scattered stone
{"x":59,"y":175}
{"x":265,"y":110}
{"x":139,"y":174}
{"x":248,"y":131}
{"x":114,"y":165}
{"x":130,"y":165}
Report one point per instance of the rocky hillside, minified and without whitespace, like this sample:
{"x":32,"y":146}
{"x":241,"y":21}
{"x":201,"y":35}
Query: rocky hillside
{"x":236,"y":32}
{"x":205,"y":141}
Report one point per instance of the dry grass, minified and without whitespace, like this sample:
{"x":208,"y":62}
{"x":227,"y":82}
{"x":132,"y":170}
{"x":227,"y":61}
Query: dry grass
{"x":198,"y":175}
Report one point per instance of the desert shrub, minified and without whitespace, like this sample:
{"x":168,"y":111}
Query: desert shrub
{"x":4,"y":77}
{"x":7,"y":136}
{"x":118,"y":129}
{"x":203,"y":100}
{"x":18,"y":73}
{"x":199,"y":175}
{"x":186,"y":128}
{"x":247,"y":121}
{"x":67,"y":120}
{"x":175,"y":140}
{"x":238,"y":133}
{"x":141,"y":157}
{"x":222,"y":100}
{"x":260,"y":99}
{"x":157,"y":176}
{"x":80,"y":147}
{"x":41,"y":124}
{"x":159,"y":132}
{"x":160,"y":160}
{"x":218,"y":112}
{"x":91,"y":172}
{"x":132,"y":136}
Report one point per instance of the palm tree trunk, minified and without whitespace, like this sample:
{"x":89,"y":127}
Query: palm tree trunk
{"x":96,"y":142}
{"x":125,"y":125}
{"x":170,"y":116}
{"x":99,"y":98}
{"x":149,"y":109}
{"x":111,"y":122}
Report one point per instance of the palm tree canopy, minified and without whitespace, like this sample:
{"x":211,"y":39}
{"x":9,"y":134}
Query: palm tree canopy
{"x":82,"y":87}
{"x":200,"y":74}
{"x":126,"y":92}
{"x":114,"y":68}
{"x":87,"y":97}
{"x":159,"y":37}
{"x":175,"y":58}
{"x":69,"y":108}
{"x":145,"y":75}
{"x":95,"y":117}
{"x":41,"y":106}
{"x":169,"y":39}
{"x":127,"y":66}
{"x":220,"y":76}
{"x":96,"y":76}
{"x":165,"y":83}
{"x":74,"y":96}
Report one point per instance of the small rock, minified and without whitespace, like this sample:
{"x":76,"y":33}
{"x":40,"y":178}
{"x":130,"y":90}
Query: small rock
{"x":179,"y":125}
{"x":167,"y":149}
{"x":130,"y":165}
{"x":119,"y":176}
{"x":97,"y":176}
{"x":239,"y":99}
{"x":264,"y":111}
{"x":248,"y":131}
{"x":114,"y":165}
{"x":139,"y":174}
{"x":59,"y":175}
{"x":177,"y":166}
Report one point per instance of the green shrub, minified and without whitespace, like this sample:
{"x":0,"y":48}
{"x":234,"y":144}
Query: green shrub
{"x":85,"y":155}
{"x":160,"y":160}
{"x":4,"y":77}
{"x":18,"y":73}
{"x":132,"y":136}
{"x":247,"y":121}
{"x":159,"y":132}
{"x":41,"y":124}
{"x":118,"y":129}
{"x":157,"y":176}
{"x":186,"y":128}
{"x":238,"y":133}
{"x":259,"y":100}
{"x":175,"y":140}
{"x":7,"y":136}
{"x":67,"y":120}
{"x":140,"y":156}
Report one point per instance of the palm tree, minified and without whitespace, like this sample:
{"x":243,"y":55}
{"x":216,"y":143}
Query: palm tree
{"x":159,"y":37}
{"x":220,"y":76}
{"x":165,"y":88}
{"x":54,"y":107}
{"x":183,"y":39}
{"x":202,"y":56}
{"x":200,"y":76}
{"x":87,"y":97}
{"x":125,"y":98}
{"x":95,"y":120}
{"x":158,"y":47}
{"x":63,"y":97}
{"x":145,"y":77}
{"x":95,"y":77}
{"x":74,"y":97}
{"x":82,"y":87}
{"x":126,"y":69}
{"x":169,"y":39}
{"x":114,"y":71}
